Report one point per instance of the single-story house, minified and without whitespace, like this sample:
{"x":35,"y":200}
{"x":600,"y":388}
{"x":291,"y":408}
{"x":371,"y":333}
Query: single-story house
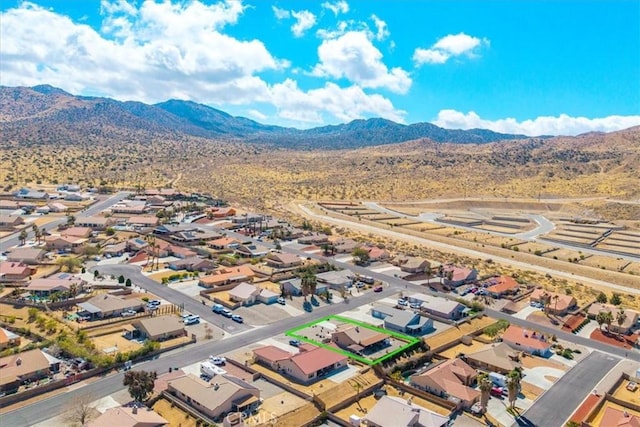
{"x":224,"y":243}
{"x":136,"y":244}
{"x":77,"y":232}
{"x":451,"y":379}
{"x":75,"y":197}
{"x":244,"y":293}
{"x":252,"y":251}
{"x":313,"y":239}
{"x":108,"y":305}
{"x":214,"y":399}
{"x":503,"y":285}
{"x":340,"y":279}
{"x":557,"y":304}
{"x":438,"y":306}
{"x":283,"y":260}
{"x":8,"y":205}
{"x":62,"y":282}
{"x":630,"y":320}
{"x":160,"y":328}
{"x":344,"y":246}
{"x":377,"y":254}
{"x":455,"y":276}
{"x":29,"y":256}
{"x":124,"y":416}
{"x":8,"y":339}
{"x":97,"y":223}
{"x":65,"y":243}
{"x":43,"y":209}
{"x":416,"y":265}
{"x":8,"y":222}
{"x":222,"y":212}
{"x":28,"y":193}
{"x":294,"y":287}
{"x":267,"y":296}
{"x":115,"y":249}
{"x":129,"y":207}
{"x":248,"y":218}
{"x":227,"y":276}
{"x":30,"y":365}
{"x":143,"y":221}
{"x":311,"y":364}
{"x":358,"y":339}
{"x":531,"y":342}
{"x":496,"y":357}
{"x":404,"y":321}
{"x":181,"y":252}
{"x":57,"y":207}
{"x":194,"y":263}
{"x":15,"y":271}
{"x":395,"y":411}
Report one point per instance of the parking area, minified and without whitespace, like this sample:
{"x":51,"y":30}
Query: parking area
{"x":189,"y":287}
{"x":261,"y":314}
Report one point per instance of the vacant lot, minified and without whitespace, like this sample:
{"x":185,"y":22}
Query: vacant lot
{"x":115,"y":341}
{"x":454,"y":351}
{"x":176,"y":416}
{"x":600,"y":261}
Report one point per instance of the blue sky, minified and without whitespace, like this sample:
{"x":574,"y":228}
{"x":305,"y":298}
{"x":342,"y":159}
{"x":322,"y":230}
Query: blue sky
{"x":533,"y":67}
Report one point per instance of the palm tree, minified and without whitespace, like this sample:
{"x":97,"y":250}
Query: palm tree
{"x":555,"y":306}
{"x":513,"y":386}
{"x":36,"y":233}
{"x":485,"y":385}
{"x":601,"y":319}
{"x":608,"y":319}
{"x":308,"y":283}
{"x":620,"y":319}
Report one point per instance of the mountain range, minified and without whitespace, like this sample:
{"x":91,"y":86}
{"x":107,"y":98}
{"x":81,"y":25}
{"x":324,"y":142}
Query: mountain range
{"x":46,"y":114}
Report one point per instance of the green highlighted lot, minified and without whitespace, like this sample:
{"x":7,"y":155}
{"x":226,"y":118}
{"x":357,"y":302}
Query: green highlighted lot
{"x":408,"y":341}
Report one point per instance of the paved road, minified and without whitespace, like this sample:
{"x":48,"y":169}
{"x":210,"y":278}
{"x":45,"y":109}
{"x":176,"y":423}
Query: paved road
{"x":55,"y":405}
{"x":558,"y":403}
{"x":469,"y":252}
{"x":14,"y":240}
{"x":190,"y":304}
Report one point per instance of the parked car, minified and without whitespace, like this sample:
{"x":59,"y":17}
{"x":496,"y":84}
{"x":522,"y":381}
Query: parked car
{"x":281,"y":301}
{"x":377,"y":289}
{"x":218,"y":360}
{"x":128,"y":313}
{"x":226,"y":313}
{"x":415,"y":305}
{"x":152,"y":307}
{"x":237,"y":318}
{"x":153,"y":302}
{"x":403,"y":302}
{"x":496,"y":391}
{"x":295,"y":343}
{"x":192,"y":320}
{"x":217,"y":308}
{"x":83,"y":317}
{"x":184,"y":316}
{"x":632,"y":386}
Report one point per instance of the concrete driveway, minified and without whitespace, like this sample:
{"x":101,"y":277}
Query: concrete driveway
{"x":526,"y":312}
{"x":536,"y":376}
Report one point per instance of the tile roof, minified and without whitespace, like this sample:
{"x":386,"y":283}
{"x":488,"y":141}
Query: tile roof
{"x":311,"y":361}
{"x":125,"y":417}
{"x":525,"y":337}
{"x":614,"y":417}
{"x":272,"y":353}
{"x":393,"y":411}
{"x":503,"y":284}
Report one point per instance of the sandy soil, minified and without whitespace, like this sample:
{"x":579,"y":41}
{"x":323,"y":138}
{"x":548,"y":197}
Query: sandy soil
{"x":176,"y":416}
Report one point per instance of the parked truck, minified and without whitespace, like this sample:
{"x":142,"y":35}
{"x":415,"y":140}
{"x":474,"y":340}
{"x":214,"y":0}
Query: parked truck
{"x":498,"y":379}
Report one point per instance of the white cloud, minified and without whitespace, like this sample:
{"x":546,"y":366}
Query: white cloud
{"x":448,"y":47}
{"x":382,"y":32}
{"x":152,"y":53}
{"x":345,"y":104}
{"x":545,"y":125}
{"x":337,"y":7}
{"x":281,"y":13}
{"x":257,"y":115}
{"x":304,"y":21}
{"x":354,"y":57}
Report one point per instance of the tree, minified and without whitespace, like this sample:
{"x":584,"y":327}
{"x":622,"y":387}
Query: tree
{"x":36,"y":233}
{"x":606,"y":317}
{"x":485,"y":385}
{"x":96,"y":274}
{"x":615,"y":299}
{"x":81,"y":410}
{"x":361,"y":255}
{"x":602,"y":298}
{"x":555,"y":305}
{"x":127,"y":282}
{"x":139,"y":383}
{"x":513,"y":386}
{"x":71,"y":220}
{"x":23,"y":237}
{"x":71,"y":264}
{"x":121,"y":279}
{"x":308,"y":283}
{"x":110,"y":231}
{"x":621,"y":316}
{"x":601,"y":319}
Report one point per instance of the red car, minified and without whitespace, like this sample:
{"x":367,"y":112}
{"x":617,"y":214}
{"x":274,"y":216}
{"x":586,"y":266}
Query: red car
{"x":377,"y":289}
{"x":496,"y":391}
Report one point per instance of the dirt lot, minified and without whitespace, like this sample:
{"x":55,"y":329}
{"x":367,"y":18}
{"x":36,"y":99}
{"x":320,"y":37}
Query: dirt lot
{"x":609,"y":263}
{"x":563,"y":254}
{"x":176,"y":416}
{"x":453,"y":334}
{"x":462,"y":348}
{"x":279,"y":405}
{"x":115,"y":340}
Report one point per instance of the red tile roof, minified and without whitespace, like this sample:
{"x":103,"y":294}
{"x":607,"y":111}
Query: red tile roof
{"x":272,"y":353}
{"x":314,"y":360}
{"x":504,"y":284}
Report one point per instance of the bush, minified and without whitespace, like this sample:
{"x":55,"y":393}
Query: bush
{"x":121,"y":279}
{"x":128,"y":282}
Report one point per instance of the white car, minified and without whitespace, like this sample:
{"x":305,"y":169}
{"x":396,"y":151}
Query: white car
{"x":218,"y":360}
{"x":192,"y":320}
{"x":128,"y":313}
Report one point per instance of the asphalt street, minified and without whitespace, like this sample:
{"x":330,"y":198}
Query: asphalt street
{"x":557,"y":404}
{"x":14,"y":240}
